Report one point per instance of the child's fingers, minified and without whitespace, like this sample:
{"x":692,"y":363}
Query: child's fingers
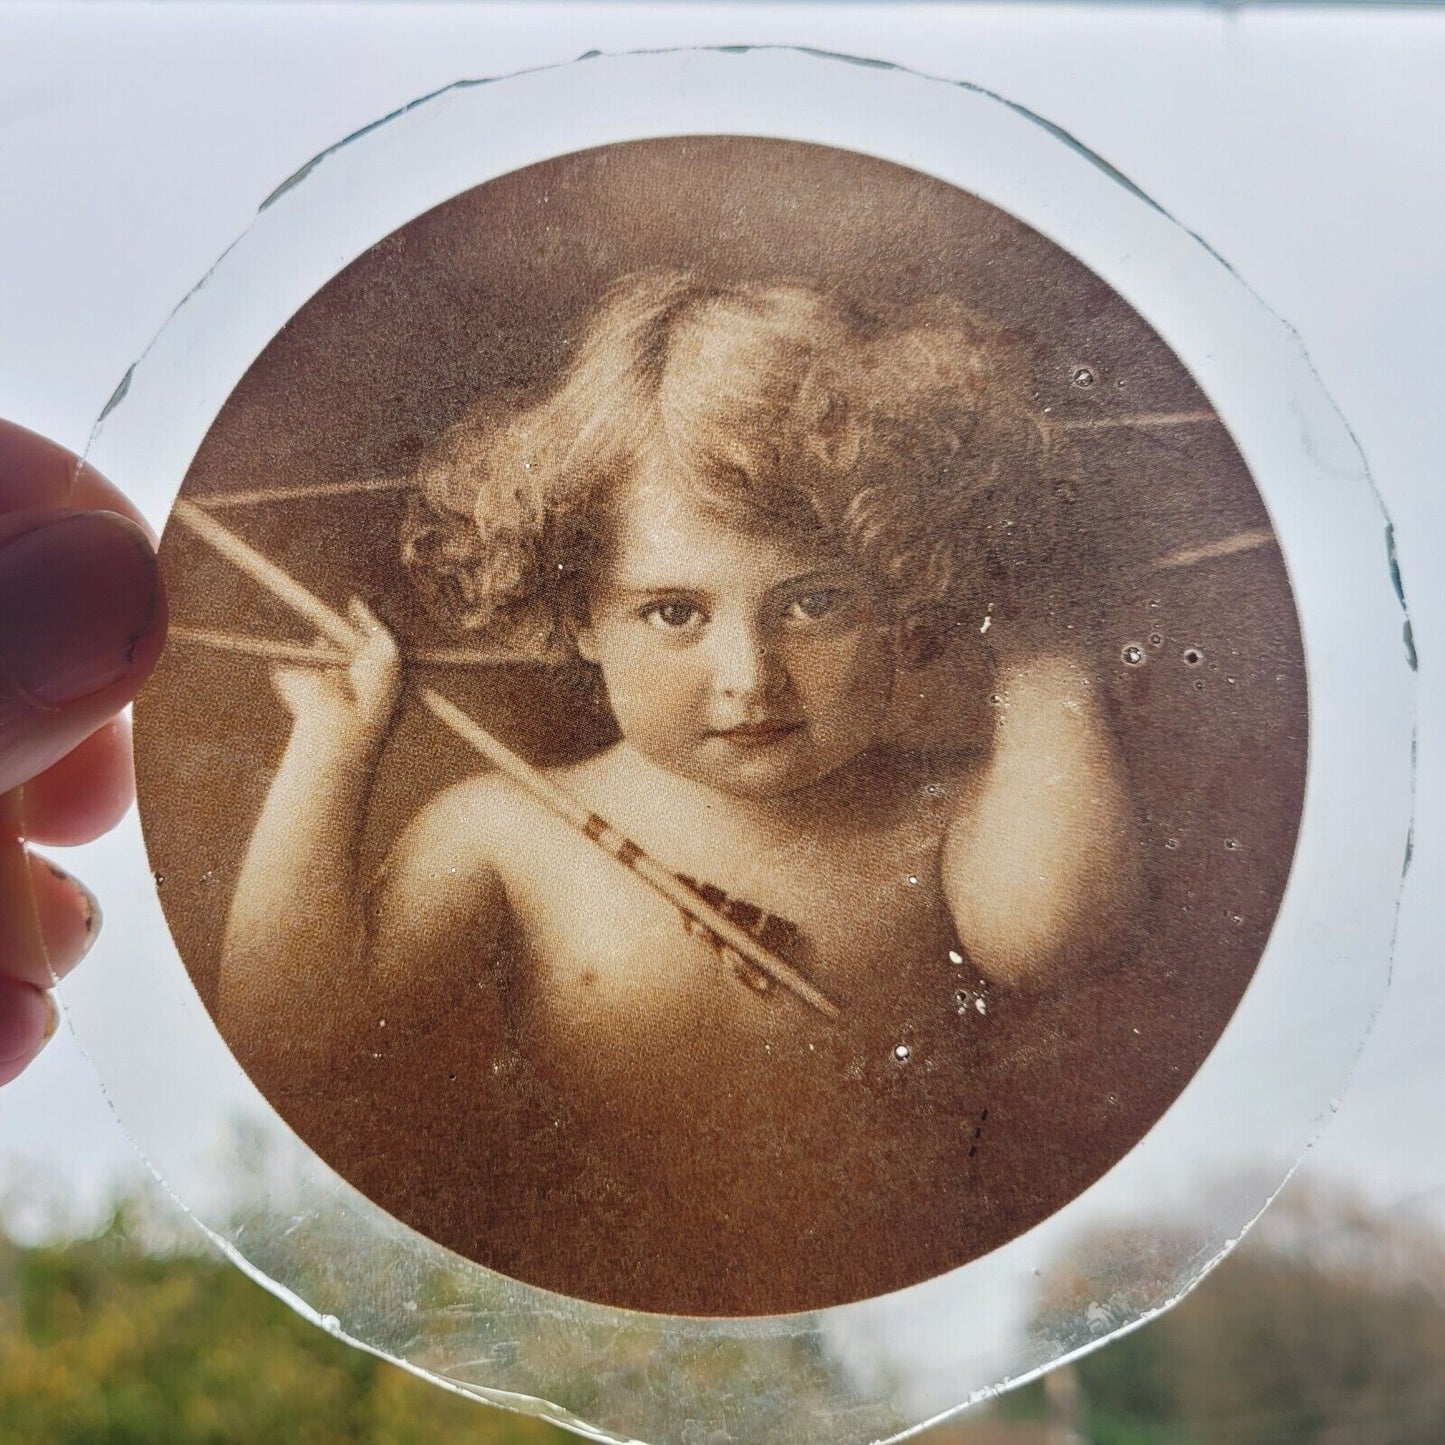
{"x":377,"y":648}
{"x":377,"y":654}
{"x":375,"y":672}
{"x":363,"y":691}
{"x":365,"y":619}
{"x":305,"y":690}
{"x":83,"y":795}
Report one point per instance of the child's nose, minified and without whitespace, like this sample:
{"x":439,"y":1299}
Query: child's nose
{"x":746,"y":666}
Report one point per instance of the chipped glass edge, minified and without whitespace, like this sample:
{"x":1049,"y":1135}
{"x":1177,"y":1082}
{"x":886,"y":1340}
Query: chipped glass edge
{"x":882,"y":1368}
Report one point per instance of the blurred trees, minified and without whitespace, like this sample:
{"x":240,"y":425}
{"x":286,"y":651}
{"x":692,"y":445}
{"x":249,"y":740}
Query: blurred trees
{"x":1327,"y":1327}
{"x":110,"y":1341}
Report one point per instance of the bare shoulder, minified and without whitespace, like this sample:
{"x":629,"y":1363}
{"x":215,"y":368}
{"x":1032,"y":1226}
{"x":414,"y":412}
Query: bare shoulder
{"x":451,"y":853}
{"x":467,"y":821}
{"x":441,"y":892}
{"x":609,"y":784}
{"x":489,"y":819}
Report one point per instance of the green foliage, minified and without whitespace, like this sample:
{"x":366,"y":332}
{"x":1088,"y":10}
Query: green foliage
{"x":105,"y":1343}
{"x":1024,"y":1403}
{"x":1326,"y":1328}
{"x":1101,"y":1428}
{"x":1279,"y":1349}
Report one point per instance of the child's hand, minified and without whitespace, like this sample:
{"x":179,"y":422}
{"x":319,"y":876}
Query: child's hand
{"x":82,"y":620}
{"x":353,"y":702}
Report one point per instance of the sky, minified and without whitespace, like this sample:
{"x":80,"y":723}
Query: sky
{"x":1304,"y":145}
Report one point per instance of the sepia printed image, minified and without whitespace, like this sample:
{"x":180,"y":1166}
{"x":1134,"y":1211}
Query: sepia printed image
{"x":734,"y":730}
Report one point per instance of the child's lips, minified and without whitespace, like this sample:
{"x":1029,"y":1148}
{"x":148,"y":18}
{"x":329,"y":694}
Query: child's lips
{"x":758,"y":734}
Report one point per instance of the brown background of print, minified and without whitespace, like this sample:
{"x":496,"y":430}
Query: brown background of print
{"x":478,"y":301}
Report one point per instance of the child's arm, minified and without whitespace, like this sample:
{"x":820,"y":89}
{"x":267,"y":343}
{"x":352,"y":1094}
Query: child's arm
{"x":312,"y":958}
{"x":1041,"y":863}
{"x":297,"y":923}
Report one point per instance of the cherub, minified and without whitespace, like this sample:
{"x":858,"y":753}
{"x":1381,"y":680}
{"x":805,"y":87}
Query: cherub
{"x":757,"y":512}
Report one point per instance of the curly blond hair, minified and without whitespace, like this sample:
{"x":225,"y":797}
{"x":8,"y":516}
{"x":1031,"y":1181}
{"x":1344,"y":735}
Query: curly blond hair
{"x":895,"y":437}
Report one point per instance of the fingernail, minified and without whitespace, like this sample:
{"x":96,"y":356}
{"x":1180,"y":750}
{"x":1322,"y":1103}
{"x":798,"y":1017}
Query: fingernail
{"x":78,"y":592}
{"x":87,"y":904}
{"x":67,"y":912}
{"x":28,"y":1020}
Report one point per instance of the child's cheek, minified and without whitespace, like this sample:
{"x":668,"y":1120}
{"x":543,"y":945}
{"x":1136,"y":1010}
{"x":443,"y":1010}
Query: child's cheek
{"x":656,"y":692}
{"x":848,"y":666}
{"x":847,"y":686}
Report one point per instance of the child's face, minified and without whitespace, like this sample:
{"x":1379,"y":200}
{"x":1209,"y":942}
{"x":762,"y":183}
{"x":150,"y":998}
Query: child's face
{"x":740,"y":660}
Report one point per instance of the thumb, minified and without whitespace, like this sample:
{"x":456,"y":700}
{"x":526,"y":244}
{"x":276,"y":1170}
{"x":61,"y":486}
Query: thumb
{"x":82,"y":620}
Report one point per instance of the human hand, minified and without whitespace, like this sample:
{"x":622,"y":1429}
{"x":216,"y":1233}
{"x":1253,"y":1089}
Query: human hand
{"x":353,"y":701}
{"x":82,"y":621}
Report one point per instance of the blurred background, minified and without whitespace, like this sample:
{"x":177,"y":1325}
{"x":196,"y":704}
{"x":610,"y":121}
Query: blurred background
{"x":1326,"y":1325}
{"x":1303,"y":142}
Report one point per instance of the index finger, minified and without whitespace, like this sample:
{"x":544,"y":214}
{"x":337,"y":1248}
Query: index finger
{"x":38,"y":474}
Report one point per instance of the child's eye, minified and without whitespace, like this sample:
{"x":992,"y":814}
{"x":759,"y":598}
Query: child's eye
{"x":672,"y":616}
{"x":818,"y":603}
